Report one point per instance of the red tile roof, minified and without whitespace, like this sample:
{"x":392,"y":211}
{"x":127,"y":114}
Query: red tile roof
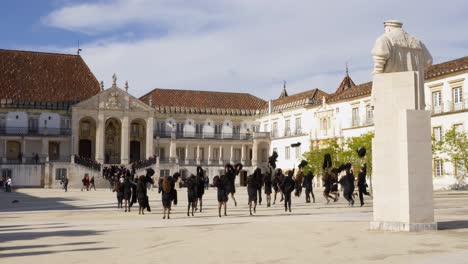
{"x":171,"y":100}
{"x":44,"y":77}
{"x":447,"y":67}
{"x":363,"y":89}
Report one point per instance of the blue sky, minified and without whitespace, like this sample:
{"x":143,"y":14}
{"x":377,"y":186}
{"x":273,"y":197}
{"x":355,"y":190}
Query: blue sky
{"x":229,"y":45}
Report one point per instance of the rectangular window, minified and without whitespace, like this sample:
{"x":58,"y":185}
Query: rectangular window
{"x":164,"y":173}
{"x":198,"y":129}
{"x":162,"y":155}
{"x":135,"y":130}
{"x":218,"y":129}
{"x":457,"y":95}
{"x":439,"y":168}
{"x":265,"y":128}
{"x":85,"y":127}
{"x":33,"y":124}
{"x":60,"y":174}
{"x":275,"y":129}
{"x":180,"y":128}
{"x":215,"y":155}
{"x":236,"y":129}
{"x":437,"y":102}
{"x":459,"y":168}
{"x":298,"y":152}
{"x":369,"y":115}
{"x":237,"y":154}
{"x":437,"y":131}
{"x":298,"y":125}
{"x":180,"y":152}
{"x":355,"y":116}
{"x":287,"y":127}
{"x":287,"y":154}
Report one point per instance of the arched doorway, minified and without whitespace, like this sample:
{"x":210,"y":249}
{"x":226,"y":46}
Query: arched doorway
{"x":137,"y":140}
{"x":112,"y":141}
{"x":87,"y":137}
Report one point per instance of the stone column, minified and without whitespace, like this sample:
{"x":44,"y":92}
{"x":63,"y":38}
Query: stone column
{"x":209,"y":154}
{"x":198,"y":154}
{"x":243,"y":155}
{"x":5,"y":151}
{"x":231,"y":159}
{"x":45,"y":148}
{"x":254,"y":154}
{"x":23,"y":150}
{"x":186,"y":154}
{"x":221,"y":155}
{"x":172,"y":150}
{"x":124,"y":147}
{"x":149,"y":137}
{"x":99,"y":145}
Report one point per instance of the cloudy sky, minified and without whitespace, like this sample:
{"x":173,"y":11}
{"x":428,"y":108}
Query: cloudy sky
{"x":237,"y":45}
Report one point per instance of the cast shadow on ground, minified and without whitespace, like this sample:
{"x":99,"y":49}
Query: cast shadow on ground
{"x":48,"y":252}
{"x":18,"y":236}
{"x":46,"y":246}
{"x":451,"y":225}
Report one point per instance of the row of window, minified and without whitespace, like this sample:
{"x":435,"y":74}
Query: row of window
{"x":287,"y":152}
{"x":437,"y":131}
{"x":287,"y":126}
{"x":161,"y":127}
{"x":457,"y":96}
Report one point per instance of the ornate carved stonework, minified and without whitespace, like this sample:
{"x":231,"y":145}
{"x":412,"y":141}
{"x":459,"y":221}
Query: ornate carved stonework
{"x":113,"y":101}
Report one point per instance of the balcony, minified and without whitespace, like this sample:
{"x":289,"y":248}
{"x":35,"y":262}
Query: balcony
{"x":287,"y":133}
{"x":449,"y":107}
{"x":187,"y":135}
{"x":27,"y":131}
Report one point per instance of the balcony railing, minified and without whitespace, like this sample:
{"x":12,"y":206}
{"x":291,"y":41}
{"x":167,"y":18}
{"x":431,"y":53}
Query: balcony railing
{"x":190,"y":135}
{"x":287,"y":133}
{"x":449,"y":107}
{"x":27,"y":131}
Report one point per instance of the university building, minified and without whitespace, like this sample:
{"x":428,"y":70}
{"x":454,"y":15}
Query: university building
{"x":55,"y":117}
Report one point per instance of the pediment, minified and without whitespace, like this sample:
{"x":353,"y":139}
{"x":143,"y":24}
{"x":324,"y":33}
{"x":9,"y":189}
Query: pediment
{"x":113,"y":98}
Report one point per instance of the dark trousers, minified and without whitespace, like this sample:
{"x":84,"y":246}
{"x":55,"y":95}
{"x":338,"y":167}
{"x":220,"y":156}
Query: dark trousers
{"x":259,"y":196}
{"x":308,"y":193}
{"x":348,"y":196}
{"x":361,"y":195}
{"x":287,"y":201}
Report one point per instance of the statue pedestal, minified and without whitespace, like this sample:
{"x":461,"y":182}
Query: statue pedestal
{"x":402,"y":154}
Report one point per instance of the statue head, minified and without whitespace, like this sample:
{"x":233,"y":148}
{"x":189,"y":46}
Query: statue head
{"x":392,"y":24}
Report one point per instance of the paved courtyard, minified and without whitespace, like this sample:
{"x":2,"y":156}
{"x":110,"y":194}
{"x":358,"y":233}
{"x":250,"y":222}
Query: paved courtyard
{"x":50,"y":226}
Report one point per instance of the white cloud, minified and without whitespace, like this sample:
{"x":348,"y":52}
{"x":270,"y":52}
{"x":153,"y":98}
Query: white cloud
{"x":251,"y":46}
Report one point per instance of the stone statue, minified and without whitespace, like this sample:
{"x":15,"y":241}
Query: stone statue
{"x":398,"y":51}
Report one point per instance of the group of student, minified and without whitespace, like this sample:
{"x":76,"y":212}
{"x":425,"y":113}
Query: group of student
{"x":271,"y":180}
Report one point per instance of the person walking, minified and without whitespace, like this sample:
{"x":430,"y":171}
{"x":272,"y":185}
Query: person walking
{"x":91,"y":182}
{"x":8,"y":184}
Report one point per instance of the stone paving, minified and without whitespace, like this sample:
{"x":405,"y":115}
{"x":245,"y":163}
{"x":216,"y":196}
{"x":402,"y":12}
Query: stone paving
{"x":51,"y":226}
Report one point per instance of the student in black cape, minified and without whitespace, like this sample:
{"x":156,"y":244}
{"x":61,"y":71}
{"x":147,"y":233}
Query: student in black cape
{"x":200,"y":188}
{"x":347,"y":181}
{"x":362,"y":184}
{"x":252,"y":187}
{"x":277,"y":180}
{"x":222,"y":195}
{"x":308,"y":177}
{"x":141,"y":194}
{"x":287,"y":186}
{"x":192,"y":189}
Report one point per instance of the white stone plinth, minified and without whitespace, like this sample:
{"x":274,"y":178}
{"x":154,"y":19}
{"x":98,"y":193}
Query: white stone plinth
{"x":402,"y":171}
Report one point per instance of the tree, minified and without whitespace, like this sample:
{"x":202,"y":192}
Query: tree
{"x":455,"y":145}
{"x":314,"y":157}
{"x":341,"y":153}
